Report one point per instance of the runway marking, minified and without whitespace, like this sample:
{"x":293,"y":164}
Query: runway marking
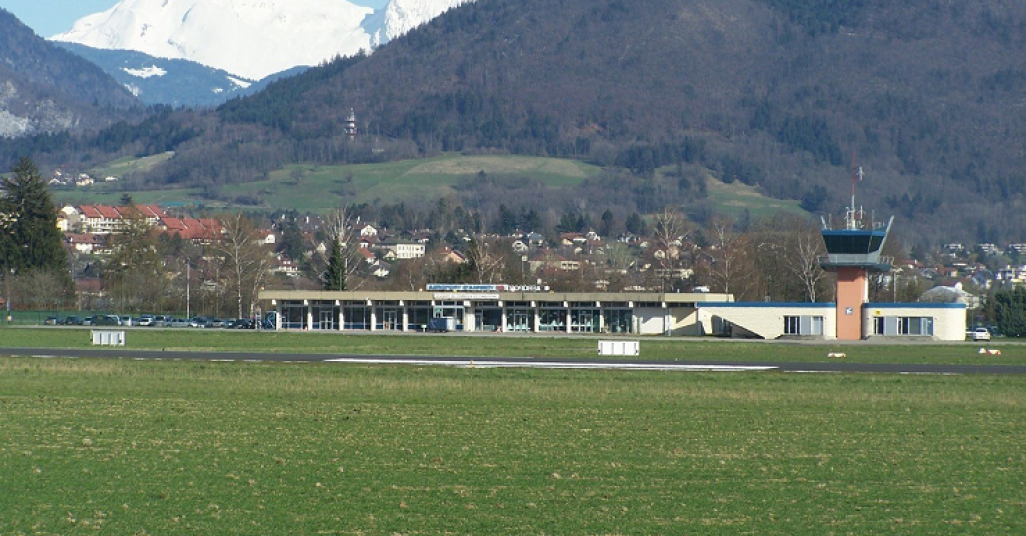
{"x":474,"y":363}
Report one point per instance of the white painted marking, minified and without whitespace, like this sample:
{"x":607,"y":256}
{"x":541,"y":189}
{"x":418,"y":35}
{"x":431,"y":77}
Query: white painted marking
{"x":473,"y":363}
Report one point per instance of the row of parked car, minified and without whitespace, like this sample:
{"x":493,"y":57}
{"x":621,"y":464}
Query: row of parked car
{"x":161,"y":321}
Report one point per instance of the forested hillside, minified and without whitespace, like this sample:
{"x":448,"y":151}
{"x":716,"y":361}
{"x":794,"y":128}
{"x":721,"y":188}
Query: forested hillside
{"x":46,"y":89}
{"x":774,"y":93}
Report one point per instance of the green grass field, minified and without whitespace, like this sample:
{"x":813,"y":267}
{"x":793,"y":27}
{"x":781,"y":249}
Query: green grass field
{"x":735,"y":198}
{"x":322,"y":188}
{"x":507,"y":345}
{"x":125,"y":447}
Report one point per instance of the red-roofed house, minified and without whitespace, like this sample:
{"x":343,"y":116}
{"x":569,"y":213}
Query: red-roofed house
{"x":87,"y":243}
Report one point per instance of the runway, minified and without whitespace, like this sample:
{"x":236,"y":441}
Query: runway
{"x":838,"y":366}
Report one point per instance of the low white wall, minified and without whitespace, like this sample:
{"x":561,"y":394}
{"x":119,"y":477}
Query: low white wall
{"x":767,"y":319}
{"x":685,"y":322}
{"x":650,"y":320}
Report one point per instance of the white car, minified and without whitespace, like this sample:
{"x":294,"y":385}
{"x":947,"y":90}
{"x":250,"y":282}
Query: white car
{"x":981,"y":334}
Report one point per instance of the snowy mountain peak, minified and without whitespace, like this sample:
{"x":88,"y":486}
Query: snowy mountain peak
{"x":401,"y":16}
{"x":251,"y":38}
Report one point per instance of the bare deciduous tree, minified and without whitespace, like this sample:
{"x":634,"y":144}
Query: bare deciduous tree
{"x":245,"y":261}
{"x":789,"y":248}
{"x":671,"y":231}
{"x":342,"y":259}
{"x":730,"y":266}
{"x":133,"y":275}
{"x":483,"y":265}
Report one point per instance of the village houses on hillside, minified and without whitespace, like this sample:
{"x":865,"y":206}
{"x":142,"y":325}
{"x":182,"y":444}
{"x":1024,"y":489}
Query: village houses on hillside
{"x":957,"y":268}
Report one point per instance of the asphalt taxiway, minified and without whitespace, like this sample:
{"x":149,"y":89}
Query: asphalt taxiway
{"x":836,"y":366}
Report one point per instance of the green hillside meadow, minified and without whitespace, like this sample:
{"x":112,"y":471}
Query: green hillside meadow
{"x":130,"y":447}
{"x":317,"y":188}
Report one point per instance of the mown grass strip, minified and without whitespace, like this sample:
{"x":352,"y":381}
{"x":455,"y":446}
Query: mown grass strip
{"x":127,"y":447}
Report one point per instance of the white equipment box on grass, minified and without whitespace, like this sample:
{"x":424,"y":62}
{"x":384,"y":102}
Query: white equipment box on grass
{"x":618,"y":348}
{"x":108,"y":337}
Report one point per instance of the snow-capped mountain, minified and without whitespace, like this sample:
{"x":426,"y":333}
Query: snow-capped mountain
{"x":250,"y":38}
{"x":401,"y":16}
{"x":174,"y":82}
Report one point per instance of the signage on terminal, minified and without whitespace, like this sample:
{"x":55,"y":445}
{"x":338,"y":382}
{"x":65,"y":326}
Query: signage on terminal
{"x":465,"y":296}
{"x":437,"y":287}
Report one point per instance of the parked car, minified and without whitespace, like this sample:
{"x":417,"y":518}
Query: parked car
{"x":162,"y":321}
{"x":981,"y":334}
{"x":73,"y":320}
{"x":106,"y":320}
{"x":180,"y":323}
{"x":145,"y":320}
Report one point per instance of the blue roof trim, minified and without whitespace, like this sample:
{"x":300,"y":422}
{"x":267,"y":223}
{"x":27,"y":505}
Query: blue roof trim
{"x":854,"y":232}
{"x":915,"y":305}
{"x":766,"y":305}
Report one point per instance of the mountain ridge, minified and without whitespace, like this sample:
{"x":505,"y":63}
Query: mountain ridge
{"x":250,"y":38}
{"x":756,"y":91}
{"x":172,"y":82}
{"x":45,"y":89}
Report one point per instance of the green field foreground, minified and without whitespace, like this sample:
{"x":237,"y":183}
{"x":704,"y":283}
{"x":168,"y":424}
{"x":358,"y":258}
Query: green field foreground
{"x":509,"y":345}
{"x":133,"y":447}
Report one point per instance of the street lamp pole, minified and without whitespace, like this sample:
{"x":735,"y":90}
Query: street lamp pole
{"x":7,"y":298}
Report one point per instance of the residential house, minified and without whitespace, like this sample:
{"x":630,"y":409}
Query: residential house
{"x":202,"y":230}
{"x":285,"y":266}
{"x":987,"y":248}
{"x":368,"y":231}
{"x":404,"y":249}
{"x":268,"y":238}
{"x":447,"y":254}
{"x":106,"y":219}
{"x":1016,"y":250}
{"x":534,"y":240}
{"x":86,"y":243}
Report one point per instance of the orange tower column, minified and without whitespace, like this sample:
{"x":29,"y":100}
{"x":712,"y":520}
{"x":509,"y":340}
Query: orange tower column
{"x":852,"y":293}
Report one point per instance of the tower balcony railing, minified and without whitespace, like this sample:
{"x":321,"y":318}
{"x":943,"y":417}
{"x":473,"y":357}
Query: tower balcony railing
{"x":873,"y":262}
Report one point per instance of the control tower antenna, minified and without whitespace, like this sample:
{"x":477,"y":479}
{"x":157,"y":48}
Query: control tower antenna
{"x":854,"y":214}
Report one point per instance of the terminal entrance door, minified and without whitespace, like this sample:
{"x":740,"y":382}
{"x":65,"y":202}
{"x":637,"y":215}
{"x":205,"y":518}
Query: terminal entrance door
{"x":327,"y":320}
{"x":520,"y":320}
{"x":583,"y":321}
{"x":390,"y":319}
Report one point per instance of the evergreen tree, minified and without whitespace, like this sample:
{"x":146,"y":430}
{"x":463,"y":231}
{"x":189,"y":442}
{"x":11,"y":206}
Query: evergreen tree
{"x":335,"y":277}
{"x":291,"y":240}
{"x":1010,"y":311}
{"x":530,"y":221}
{"x":30,"y":239}
{"x":636,"y":225}
{"x":343,"y":262}
{"x":507,"y":221}
{"x":608,"y":221}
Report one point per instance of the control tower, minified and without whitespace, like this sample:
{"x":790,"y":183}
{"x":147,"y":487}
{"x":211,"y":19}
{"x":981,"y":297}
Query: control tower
{"x":853,"y":252}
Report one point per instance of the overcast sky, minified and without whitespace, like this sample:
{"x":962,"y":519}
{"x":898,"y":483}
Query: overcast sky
{"x":51,"y":17}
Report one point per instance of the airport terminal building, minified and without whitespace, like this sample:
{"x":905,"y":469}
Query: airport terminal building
{"x":512,"y":309}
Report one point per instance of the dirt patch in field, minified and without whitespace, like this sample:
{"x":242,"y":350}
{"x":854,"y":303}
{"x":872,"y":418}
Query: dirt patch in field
{"x":499,"y":165}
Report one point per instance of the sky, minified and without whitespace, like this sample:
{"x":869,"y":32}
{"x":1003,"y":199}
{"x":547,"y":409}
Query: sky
{"x":51,"y":17}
